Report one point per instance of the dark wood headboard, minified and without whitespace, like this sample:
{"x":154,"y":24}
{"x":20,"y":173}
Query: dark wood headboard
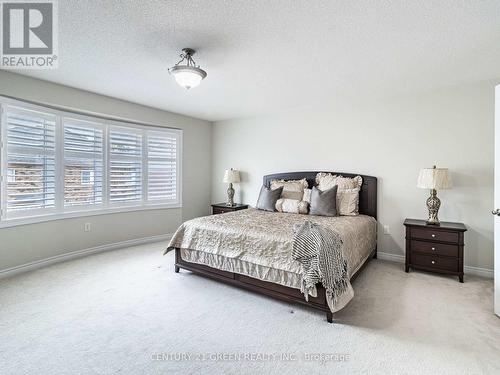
{"x":367,"y":195}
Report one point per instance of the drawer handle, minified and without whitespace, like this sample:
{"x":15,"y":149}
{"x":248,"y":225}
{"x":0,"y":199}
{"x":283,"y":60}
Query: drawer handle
{"x":433,"y":235}
{"x":433,"y":262}
{"x":433,"y":248}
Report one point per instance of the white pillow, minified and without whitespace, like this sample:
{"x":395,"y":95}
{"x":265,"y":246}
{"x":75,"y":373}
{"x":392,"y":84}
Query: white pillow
{"x":292,"y":206}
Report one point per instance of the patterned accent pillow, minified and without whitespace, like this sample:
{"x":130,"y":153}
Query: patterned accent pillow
{"x":293,"y":189}
{"x":347,"y":194}
{"x":292,"y":206}
{"x":326,"y":181}
{"x":348,"y":202}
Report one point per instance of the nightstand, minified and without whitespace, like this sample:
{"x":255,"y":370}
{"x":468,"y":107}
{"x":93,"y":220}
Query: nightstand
{"x":435,"y":248}
{"x":221,"y":208}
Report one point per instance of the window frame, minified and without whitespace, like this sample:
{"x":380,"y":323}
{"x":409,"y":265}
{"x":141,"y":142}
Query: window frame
{"x":61,"y":212}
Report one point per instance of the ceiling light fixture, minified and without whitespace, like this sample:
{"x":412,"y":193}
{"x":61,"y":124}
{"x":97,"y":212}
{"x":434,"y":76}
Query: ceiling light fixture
{"x":190,"y":74}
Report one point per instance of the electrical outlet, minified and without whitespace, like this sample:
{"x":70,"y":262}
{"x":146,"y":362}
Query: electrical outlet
{"x":87,"y":227}
{"x":386,"y":229}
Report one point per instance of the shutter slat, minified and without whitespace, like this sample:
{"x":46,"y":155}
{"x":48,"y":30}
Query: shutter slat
{"x":30,"y":160}
{"x":125,"y":176}
{"x":162,"y":166}
{"x":125,"y":142}
{"x":83,"y":163}
{"x":141,"y":163}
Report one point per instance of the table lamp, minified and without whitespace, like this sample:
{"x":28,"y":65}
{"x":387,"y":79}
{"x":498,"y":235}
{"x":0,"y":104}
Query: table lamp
{"x":434,"y":179}
{"x":231,"y":176}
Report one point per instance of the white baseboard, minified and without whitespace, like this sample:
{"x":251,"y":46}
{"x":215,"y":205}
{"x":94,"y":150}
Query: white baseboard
{"x":390,"y":257}
{"x":80,"y":253}
{"x":478,"y":271}
{"x":469,"y":270}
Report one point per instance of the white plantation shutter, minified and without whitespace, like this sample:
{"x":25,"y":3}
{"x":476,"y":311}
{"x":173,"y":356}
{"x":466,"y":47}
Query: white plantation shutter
{"x":125,"y":165}
{"x":30,"y":161}
{"x":162,"y":147}
{"x":83,"y":163}
{"x":56,"y":164}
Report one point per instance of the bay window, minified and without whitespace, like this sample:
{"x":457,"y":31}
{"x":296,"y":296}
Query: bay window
{"x":57,"y":164}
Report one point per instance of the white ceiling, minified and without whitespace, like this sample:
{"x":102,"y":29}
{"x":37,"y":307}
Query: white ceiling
{"x":264,"y":56}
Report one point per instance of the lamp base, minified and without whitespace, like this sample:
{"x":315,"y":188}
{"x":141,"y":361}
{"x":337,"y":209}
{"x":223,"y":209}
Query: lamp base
{"x":433,"y":204}
{"x":433,"y":223}
{"x":230,"y":196}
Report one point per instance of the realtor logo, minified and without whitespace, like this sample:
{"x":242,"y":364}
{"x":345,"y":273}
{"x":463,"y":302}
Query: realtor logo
{"x":29,"y":34}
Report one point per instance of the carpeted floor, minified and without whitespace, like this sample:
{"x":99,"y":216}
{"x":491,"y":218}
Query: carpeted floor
{"x":127,"y":312}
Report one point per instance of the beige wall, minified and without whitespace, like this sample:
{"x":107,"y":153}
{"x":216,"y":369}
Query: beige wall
{"x":23,"y":244}
{"x":389,"y":138}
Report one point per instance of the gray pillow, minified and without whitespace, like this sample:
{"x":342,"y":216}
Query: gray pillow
{"x":267,"y":198}
{"x":324,"y":203}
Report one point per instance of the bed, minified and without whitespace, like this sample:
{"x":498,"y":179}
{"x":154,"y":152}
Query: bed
{"x":251,"y":248}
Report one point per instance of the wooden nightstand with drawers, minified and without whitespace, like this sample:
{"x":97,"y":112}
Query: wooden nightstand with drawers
{"x":221,"y":208}
{"x":435,"y":248}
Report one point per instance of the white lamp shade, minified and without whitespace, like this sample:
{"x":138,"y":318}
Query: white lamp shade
{"x":187,"y":79}
{"x":231,"y":176}
{"x":434,"y":178}
{"x":187,"y":76}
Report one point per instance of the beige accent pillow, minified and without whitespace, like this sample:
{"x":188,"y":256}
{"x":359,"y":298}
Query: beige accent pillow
{"x":347,"y":193}
{"x":291,"y":189}
{"x":326,"y":181}
{"x":292,"y":206}
{"x":307,"y":195}
{"x":348,"y":202}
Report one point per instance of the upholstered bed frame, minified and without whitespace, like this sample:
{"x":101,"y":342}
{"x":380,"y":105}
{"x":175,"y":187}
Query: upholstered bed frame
{"x":367,"y":206}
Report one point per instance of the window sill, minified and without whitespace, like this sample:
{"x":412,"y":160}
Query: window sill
{"x":86,"y":213}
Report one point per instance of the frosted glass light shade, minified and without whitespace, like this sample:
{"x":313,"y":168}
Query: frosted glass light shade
{"x":188,"y":76}
{"x":231,"y":176}
{"x":434,"y":178}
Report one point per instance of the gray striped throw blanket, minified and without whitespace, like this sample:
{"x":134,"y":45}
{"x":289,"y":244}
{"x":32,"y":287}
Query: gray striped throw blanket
{"x":319,"y":250}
